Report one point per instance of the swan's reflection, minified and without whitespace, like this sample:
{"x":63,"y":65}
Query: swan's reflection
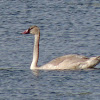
{"x":36,"y":72}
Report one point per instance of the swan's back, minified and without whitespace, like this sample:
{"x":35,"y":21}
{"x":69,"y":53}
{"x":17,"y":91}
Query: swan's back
{"x":68,"y":58}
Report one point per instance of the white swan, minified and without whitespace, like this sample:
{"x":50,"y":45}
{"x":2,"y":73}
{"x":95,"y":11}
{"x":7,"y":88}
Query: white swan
{"x":65,"y":62}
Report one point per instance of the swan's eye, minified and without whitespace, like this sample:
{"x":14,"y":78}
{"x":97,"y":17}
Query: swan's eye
{"x":30,"y":28}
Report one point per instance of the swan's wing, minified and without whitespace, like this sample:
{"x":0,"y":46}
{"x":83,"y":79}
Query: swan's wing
{"x":71,"y":62}
{"x":68,"y":59}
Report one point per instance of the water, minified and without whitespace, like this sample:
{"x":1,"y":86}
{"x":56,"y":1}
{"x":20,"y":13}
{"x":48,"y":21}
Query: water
{"x":67,"y":27}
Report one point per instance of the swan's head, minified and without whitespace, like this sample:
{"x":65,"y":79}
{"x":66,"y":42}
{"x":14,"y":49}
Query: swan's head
{"x":32,"y":30}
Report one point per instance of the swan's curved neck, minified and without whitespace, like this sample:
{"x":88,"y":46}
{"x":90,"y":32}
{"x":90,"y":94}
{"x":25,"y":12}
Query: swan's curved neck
{"x":35,"y":52}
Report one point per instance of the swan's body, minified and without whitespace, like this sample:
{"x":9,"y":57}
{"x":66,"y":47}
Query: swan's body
{"x":65,"y":62}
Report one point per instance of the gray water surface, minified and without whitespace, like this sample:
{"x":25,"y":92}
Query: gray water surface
{"x":67,"y":27}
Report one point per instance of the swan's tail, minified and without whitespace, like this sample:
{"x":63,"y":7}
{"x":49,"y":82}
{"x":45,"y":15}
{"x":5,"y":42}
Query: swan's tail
{"x":93,"y":61}
{"x":98,"y":58}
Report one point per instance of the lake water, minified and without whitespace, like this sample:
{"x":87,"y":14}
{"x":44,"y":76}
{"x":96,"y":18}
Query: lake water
{"x":67,"y":27}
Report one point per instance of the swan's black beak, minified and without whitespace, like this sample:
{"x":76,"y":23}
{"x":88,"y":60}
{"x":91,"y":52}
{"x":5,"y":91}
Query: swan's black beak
{"x":26,"y":32}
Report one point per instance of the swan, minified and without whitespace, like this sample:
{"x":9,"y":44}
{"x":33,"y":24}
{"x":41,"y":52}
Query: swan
{"x":69,"y":62}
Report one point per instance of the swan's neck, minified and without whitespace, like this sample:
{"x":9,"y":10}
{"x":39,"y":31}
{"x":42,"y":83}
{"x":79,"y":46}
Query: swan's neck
{"x":35,"y":52}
